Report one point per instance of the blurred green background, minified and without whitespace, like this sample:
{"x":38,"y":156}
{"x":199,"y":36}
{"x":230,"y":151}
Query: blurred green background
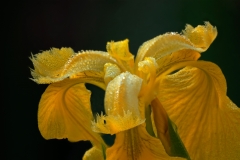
{"x":34,"y":26}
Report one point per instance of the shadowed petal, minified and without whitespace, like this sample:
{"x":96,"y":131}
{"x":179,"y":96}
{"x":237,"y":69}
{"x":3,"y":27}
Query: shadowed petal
{"x":137,"y":144}
{"x":93,"y":153}
{"x":208,"y":122}
{"x":92,"y":77}
{"x":65,"y":112}
{"x":167,"y":131}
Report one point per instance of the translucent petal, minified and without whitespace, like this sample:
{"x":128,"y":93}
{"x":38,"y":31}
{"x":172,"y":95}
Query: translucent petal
{"x":70,"y":66}
{"x":65,"y":112}
{"x":93,"y":153}
{"x":137,"y":144}
{"x":172,"y":48}
{"x":208,"y":122}
{"x":121,"y":105}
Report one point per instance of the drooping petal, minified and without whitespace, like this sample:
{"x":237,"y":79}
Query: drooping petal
{"x":208,"y":121}
{"x":65,"y":112}
{"x":93,"y":77}
{"x":56,"y":65}
{"x":172,"y":48}
{"x":94,"y":153}
{"x":121,"y":105}
{"x":137,"y":144}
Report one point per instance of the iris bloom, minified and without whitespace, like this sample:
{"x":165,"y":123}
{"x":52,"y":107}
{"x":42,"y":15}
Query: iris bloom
{"x":165,"y":79}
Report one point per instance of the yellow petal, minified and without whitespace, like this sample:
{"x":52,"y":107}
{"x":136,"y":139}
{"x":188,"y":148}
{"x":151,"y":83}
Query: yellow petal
{"x":119,"y":50}
{"x":68,"y":67}
{"x":94,"y":153}
{"x":201,"y":36}
{"x":110,"y":72}
{"x":50,"y":63}
{"x":147,"y":71}
{"x":93,"y":77}
{"x":137,"y":144}
{"x":65,"y":112}
{"x":208,"y":122}
{"x":172,"y":48}
{"x":121,"y":105}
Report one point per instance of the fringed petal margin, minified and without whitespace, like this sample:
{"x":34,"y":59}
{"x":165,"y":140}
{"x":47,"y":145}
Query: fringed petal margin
{"x":65,"y":112}
{"x":207,"y":120}
{"x":50,"y":64}
{"x":56,"y":65}
{"x":137,"y":144}
{"x":173,"y":48}
{"x":121,"y":105}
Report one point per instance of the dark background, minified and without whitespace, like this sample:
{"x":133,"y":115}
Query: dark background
{"x":34,"y":26}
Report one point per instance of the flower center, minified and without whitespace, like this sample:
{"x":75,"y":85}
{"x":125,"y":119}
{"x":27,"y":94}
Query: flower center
{"x":147,"y":72}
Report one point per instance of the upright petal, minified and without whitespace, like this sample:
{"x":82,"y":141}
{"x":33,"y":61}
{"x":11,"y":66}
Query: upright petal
{"x":121,"y":105}
{"x":172,"y":48}
{"x":110,"y":72}
{"x":208,"y":122}
{"x":119,"y":50}
{"x":137,"y":144}
{"x":65,"y":112}
{"x":56,"y":65}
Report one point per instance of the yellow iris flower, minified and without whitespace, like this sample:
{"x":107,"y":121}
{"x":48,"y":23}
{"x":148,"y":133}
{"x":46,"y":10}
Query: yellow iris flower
{"x":165,"y":79}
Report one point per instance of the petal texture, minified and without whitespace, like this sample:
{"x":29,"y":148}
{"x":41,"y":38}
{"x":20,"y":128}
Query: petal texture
{"x":55,"y":68}
{"x":119,"y":50}
{"x":121,"y":105}
{"x":65,"y":112}
{"x":172,"y":48}
{"x":137,"y":144}
{"x":50,"y":63}
{"x":208,"y":122}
